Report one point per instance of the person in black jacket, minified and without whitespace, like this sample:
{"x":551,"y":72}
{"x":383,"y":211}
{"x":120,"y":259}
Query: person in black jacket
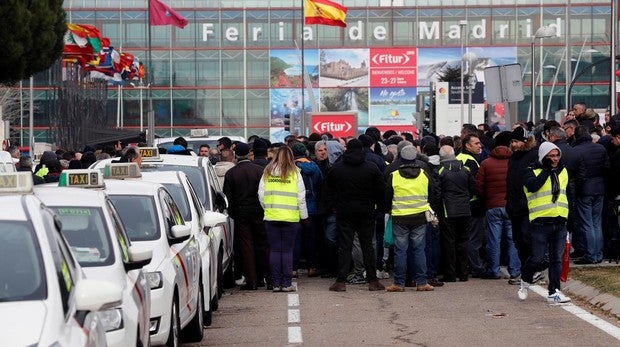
{"x":456,"y":187}
{"x":250,"y":239}
{"x":590,"y":161}
{"x":356,"y":188}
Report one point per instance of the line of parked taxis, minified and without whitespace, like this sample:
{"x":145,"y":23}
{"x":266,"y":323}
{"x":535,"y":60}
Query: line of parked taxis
{"x":118,"y":254}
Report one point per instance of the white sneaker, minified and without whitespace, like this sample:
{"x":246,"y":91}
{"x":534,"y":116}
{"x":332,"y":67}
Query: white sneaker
{"x":240,"y":281}
{"x":523,"y":290}
{"x":382,"y":274}
{"x":557,"y":298}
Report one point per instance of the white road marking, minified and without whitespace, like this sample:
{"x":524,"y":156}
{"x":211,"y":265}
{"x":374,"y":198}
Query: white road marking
{"x":293,"y":316}
{"x":581,"y":313}
{"x":293,"y":300}
{"x":294,"y":335}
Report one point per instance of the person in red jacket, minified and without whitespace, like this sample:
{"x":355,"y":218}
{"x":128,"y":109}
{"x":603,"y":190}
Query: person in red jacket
{"x":491,"y":184}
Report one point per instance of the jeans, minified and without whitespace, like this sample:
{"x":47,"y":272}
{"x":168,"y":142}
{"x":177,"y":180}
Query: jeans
{"x":590,"y":226}
{"x":498,"y":226}
{"x":406,"y":237}
{"x":433,"y":251}
{"x":364,"y":227}
{"x":281,"y":237}
{"x":549,"y":237}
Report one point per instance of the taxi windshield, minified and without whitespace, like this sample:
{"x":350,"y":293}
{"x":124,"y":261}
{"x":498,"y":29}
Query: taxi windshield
{"x":139,"y":216}
{"x":194,"y":145}
{"x":179,"y":196}
{"x":22,"y":275}
{"x":85,"y":230}
{"x":195,"y":175}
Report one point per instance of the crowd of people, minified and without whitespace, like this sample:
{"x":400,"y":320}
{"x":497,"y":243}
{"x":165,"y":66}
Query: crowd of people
{"x":453,"y":207}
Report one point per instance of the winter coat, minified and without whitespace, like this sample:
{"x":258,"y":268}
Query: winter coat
{"x":491,"y":177}
{"x":355,"y":186}
{"x":221,"y":167}
{"x":456,"y":187}
{"x":516,"y":202}
{"x":241,"y":189}
{"x":313,"y":178}
{"x":590,"y":163}
{"x":374,"y":158}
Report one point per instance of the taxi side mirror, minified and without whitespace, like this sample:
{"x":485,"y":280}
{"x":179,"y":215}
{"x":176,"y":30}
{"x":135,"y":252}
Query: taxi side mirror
{"x":138,"y":258}
{"x":212,"y":219}
{"x":94,"y":295}
{"x":179,"y":233}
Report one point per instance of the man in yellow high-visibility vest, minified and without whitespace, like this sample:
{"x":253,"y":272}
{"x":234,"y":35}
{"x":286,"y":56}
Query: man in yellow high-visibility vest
{"x":546,"y":188}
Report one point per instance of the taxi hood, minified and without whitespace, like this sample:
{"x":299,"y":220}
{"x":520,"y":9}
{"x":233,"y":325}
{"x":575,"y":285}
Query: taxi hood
{"x":21,"y":322}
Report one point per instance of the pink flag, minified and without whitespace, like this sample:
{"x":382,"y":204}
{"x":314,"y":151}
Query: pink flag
{"x":161,"y":14}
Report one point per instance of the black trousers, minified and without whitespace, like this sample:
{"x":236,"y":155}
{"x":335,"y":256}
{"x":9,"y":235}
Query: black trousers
{"x":364,"y":226}
{"x":454,"y":242}
{"x":251,"y":241}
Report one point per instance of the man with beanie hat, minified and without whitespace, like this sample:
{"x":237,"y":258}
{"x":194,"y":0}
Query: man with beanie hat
{"x":457,"y":186}
{"x":259,"y":152}
{"x":408,"y":195}
{"x":523,"y":156}
{"x":313,"y":178}
{"x":250,"y":239}
{"x":357,"y":188}
{"x":546,"y":188}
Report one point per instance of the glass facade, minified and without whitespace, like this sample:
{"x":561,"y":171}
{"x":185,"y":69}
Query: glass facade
{"x":220,"y":71}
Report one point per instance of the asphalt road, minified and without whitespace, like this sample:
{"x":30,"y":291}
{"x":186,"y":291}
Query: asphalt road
{"x":478,"y":312}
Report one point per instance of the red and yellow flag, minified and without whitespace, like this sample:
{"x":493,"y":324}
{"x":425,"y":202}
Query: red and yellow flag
{"x":324,"y":12}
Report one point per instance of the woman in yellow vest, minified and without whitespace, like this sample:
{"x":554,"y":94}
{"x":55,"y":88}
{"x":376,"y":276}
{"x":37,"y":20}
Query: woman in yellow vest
{"x":282,"y":194}
{"x":545,"y":188}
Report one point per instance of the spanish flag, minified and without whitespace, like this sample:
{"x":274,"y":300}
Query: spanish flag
{"x":324,"y":12}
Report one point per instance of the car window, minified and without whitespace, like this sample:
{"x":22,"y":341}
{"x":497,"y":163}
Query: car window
{"x":139,"y":216}
{"x":179,"y":196}
{"x":195,"y":175}
{"x":172,"y":215}
{"x":22,"y":274}
{"x":121,"y":236}
{"x":195,"y":200}
{"x":87,"y":233}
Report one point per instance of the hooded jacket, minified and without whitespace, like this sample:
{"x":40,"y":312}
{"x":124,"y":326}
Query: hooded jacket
{"x":355,"y":186}
{"x":313,"y":178}
{"x":491,"y":177}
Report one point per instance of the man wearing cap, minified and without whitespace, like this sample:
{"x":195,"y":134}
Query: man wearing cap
{"x":546,"y":187}
{"x":523,"y":155}
{"x":356,"y":188}
{"x":250,"y":240}
{"x":409,"y":191}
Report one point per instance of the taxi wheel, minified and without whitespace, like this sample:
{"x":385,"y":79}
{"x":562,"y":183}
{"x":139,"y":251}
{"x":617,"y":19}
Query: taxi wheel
{"x":194,"y":332}
{"x":173,"y":334}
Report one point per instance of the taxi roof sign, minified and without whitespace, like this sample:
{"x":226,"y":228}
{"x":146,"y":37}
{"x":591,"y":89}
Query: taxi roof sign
{"x":16,"y":182}
{"x":199,"y":132}
{"x":122,"y":170}
{"x":149,"y":153}
{"x":87,"y":178}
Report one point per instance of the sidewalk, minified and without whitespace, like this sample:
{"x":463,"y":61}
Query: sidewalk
{"x":606,"y":302}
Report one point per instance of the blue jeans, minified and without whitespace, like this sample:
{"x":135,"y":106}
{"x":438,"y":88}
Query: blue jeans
{"x":498,"y":226}
{"x":546,"y":237}
{"x":406,"y":237}
{"x":590,"y":225}
{"x":281,"y":237}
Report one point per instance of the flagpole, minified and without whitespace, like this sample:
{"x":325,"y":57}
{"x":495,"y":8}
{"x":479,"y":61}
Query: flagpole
{"x":303,"y":84}
{"x":150,"y":138}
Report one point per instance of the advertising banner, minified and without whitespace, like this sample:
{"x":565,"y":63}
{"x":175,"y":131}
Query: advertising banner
{"x":393,"y":67}
{"x":339,"y":124}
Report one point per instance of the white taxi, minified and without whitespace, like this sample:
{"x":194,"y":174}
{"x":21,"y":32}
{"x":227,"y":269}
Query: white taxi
{"x":204,"y":180}
{"x":197,"y":138}
{"x":45,"y":300}
{"x":153,"y":221}
{"x":201,"y":222}
{"x":95,"y":233}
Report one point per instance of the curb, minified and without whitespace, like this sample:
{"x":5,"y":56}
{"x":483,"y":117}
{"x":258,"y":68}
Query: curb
{"x":606,"y":302}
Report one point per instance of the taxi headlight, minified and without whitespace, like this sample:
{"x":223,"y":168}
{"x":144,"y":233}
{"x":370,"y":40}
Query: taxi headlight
{"x":111,"y":319}
{"x":154,"y":279}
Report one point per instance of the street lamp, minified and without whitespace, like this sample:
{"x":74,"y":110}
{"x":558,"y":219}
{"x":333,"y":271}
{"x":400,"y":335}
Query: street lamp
{"x":471,"y":58}
{"x":542,"y":32}
{"x":462,"y":25}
